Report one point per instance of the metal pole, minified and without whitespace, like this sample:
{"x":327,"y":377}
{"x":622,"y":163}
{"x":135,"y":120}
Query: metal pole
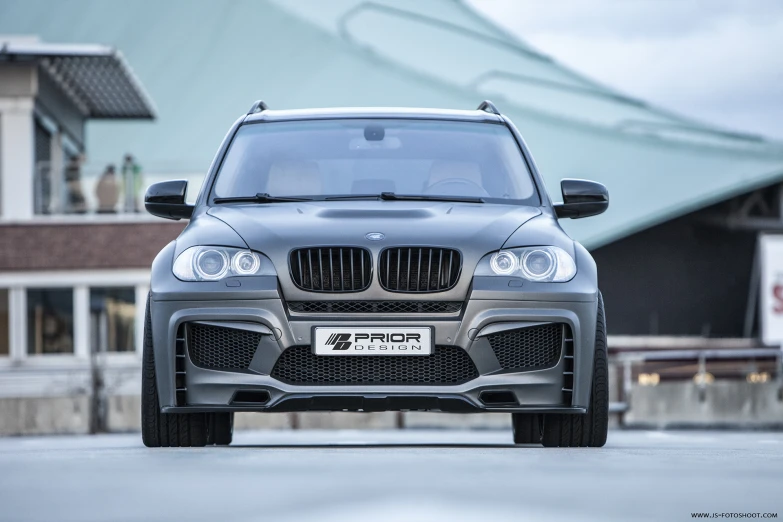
{"x":780,"y":374}
{"x":627,"y":384}
{"x":98,"y":399}
{"x":702,"y":378}
{"x":753,"y":291}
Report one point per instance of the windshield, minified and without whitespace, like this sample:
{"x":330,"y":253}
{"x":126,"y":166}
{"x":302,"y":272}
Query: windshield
{"x":322,"y":158}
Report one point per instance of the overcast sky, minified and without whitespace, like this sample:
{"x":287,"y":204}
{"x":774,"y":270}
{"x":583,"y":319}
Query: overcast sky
{"x":717,"y":60}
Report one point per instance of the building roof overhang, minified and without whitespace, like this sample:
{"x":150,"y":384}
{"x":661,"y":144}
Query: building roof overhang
{"x":97,"y":78}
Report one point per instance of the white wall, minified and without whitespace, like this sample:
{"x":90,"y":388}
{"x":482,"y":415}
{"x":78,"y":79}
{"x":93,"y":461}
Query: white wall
{"x":16,"y":158}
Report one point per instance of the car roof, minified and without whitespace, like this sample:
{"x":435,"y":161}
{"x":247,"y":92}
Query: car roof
{"x":373,"y":112}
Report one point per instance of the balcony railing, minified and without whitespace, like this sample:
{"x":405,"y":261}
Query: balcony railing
{"x":62,"y":191}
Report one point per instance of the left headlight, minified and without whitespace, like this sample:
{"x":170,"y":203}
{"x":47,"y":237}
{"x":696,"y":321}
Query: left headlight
{"x":212,"y":263}
{"x":546,"y":264}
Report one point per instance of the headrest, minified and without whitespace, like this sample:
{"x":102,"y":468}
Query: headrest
{"x":372,"y":186}
{"x":294,"y":177}
{"x":442,"y":170}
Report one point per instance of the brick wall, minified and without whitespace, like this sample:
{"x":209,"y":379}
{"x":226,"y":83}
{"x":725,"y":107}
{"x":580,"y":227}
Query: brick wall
{"x":83,"y":246}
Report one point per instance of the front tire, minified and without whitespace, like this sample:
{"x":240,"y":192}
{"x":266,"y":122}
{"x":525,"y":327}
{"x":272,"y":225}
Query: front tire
{"x":164,"y":429}
{"x":221,"y":428}
{"x":590,"y":429}
{"x":526,"y":428}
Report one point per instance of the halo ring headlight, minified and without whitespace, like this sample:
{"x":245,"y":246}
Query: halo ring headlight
{"x":538,"y":264}
{"x":504,"y":263}
{"x":245,"y":263}
{"x":211,"y":264}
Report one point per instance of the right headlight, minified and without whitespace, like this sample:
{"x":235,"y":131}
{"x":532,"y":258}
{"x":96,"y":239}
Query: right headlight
{"x":541,"y":264}
{"x":212,"y":263}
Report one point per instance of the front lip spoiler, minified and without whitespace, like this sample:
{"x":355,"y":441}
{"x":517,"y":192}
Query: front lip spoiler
{"x":369,"y":402}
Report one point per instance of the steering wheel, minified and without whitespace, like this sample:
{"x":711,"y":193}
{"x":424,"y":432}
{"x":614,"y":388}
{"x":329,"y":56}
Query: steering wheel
{"x":456,"y":187}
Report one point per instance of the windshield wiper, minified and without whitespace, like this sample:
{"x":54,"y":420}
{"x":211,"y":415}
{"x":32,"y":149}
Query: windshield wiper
{"x":391,"y":196}
{"x":352,"y":196}
{"x":261,"y":197}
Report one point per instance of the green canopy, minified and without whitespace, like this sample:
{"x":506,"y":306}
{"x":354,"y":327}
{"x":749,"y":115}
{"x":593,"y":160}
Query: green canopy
{"x":203,"y":63}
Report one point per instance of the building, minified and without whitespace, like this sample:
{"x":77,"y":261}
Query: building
{"x":74,"y":257}
{"x":687,"y":198}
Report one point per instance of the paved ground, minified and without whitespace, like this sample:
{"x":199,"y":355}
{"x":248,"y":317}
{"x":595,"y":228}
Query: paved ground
{"x":390,"y":476}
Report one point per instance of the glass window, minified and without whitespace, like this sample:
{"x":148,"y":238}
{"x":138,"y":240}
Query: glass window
{"x":49,"y":320}
{"x":409,"y":157}
{"x":5,"y":339}
{"x":113,"y":319}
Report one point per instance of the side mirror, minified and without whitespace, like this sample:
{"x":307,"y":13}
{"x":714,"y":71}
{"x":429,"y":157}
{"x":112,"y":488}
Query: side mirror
{"x":582,"y":198}
{"x":167,"y":200}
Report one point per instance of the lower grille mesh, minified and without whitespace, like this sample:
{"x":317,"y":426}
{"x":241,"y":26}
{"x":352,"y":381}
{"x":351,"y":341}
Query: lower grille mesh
{"x":375,"y":307}
{"x":447,"y":365}
{"x":219,"y":348}
{"x":528,"y":348}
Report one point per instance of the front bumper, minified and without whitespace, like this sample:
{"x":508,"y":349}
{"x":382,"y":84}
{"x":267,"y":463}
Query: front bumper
{"x":491,"y":302}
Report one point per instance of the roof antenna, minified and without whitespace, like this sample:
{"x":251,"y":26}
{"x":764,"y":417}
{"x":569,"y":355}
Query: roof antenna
{"x":258,"y":106}
{"x":488,"y":106}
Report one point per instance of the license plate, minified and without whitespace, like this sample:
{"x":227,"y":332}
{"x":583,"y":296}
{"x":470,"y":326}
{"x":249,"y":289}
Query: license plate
{"x":373,"y":340}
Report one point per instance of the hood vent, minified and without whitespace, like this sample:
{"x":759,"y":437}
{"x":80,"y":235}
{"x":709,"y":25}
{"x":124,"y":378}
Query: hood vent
{"x":419,"y":269}
{"x":331,"y":269}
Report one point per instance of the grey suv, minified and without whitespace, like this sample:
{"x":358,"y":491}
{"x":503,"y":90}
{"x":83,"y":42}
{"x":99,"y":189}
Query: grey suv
{"x":374,"y":260}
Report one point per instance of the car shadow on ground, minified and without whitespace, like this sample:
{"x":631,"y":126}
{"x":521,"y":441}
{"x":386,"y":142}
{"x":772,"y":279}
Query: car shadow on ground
{"x":354,"y":445}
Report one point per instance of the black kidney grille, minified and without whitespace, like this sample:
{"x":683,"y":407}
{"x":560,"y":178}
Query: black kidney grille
{"x":331,"y":269}
{"x":528,"y":348}
{"x":419,"y":269}
{"x":375,"y":307}
{"x":219,"y":348}
{"x":446,"y":366}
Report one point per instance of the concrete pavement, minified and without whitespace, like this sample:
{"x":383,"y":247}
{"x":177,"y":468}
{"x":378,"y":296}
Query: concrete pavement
{"x":409,"y":475}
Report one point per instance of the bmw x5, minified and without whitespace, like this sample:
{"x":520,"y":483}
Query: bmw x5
{"x":374,"y":260}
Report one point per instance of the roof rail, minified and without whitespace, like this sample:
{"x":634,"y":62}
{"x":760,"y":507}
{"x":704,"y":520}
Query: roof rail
{"x":488,"y":106}
{"x":258,"y":106}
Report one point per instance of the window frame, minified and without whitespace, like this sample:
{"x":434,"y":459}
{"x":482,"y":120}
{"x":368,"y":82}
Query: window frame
{"x":80,"y":281}
{"x":10,"y":340}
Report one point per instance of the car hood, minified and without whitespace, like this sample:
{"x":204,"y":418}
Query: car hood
{"x":270,"y":228}
{"x":275,"y":229}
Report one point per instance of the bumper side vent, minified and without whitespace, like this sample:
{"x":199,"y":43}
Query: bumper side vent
{"x":250,"y":397}
{"x":331,"y":269}
{"x":218,"y":348}
{"x":180,"y":381}
{"x":568,"y":365}
{"x":419,"y":269}
{"x":497,"y":398}
{"x":534,"y":347}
